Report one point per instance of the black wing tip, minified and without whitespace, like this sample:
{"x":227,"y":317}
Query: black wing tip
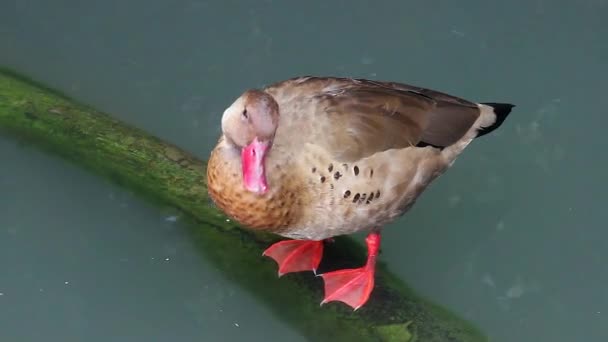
{"x":501,"y":110}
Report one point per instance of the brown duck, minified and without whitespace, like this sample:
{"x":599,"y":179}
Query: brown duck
{"x":310,"y":158}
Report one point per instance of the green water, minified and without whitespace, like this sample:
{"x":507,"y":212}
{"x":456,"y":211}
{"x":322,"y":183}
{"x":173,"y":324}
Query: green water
{"x":513,"y":237}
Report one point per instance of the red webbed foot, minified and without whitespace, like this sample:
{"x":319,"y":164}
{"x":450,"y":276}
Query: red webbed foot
{"x":296,"y":255}
{"x":353,"y":286}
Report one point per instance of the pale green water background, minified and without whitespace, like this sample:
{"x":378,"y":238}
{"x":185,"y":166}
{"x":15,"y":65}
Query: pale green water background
{"x":514,"y":237}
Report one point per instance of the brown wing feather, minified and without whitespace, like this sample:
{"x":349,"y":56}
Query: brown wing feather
{"x":355,"y":118}
{"x":362,"y":121}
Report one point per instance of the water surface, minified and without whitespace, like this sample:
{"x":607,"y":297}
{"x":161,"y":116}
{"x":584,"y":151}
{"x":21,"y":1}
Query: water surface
{"x":513,"y":237}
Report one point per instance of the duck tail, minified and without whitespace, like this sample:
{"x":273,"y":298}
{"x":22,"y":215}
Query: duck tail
{"x":493,"y":115}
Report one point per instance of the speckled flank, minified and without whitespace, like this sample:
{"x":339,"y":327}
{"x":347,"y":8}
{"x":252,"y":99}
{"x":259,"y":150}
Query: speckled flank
{"x":351,"y":197}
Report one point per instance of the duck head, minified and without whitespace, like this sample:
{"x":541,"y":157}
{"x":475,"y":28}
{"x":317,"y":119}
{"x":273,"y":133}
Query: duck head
{"x":249,"y":124}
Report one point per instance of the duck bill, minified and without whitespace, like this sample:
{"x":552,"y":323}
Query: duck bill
{"x":254,"y":174}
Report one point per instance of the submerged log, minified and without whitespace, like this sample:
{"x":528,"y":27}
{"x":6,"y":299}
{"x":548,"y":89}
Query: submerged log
{"x":168,"y":175}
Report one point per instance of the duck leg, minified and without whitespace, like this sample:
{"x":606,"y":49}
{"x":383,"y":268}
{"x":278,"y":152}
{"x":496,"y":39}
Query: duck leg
{"x":296,"y":255}
{"x":353,"y":286}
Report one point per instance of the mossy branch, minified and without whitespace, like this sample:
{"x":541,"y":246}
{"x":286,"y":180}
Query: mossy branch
{"x":169,"y":175}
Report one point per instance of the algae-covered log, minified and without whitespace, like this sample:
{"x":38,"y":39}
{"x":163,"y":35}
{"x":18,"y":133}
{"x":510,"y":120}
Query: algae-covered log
{"x":169,"y":175}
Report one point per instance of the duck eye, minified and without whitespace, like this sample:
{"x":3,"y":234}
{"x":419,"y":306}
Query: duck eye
{"x":245,"y":114}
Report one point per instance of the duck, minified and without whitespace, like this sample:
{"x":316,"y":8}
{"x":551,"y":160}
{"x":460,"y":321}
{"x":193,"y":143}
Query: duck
{"x":311,"y":158}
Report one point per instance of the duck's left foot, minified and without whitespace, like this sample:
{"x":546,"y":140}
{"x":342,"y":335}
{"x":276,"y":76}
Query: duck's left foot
{"x":353,"y":286}
{"x":296,"y":255}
